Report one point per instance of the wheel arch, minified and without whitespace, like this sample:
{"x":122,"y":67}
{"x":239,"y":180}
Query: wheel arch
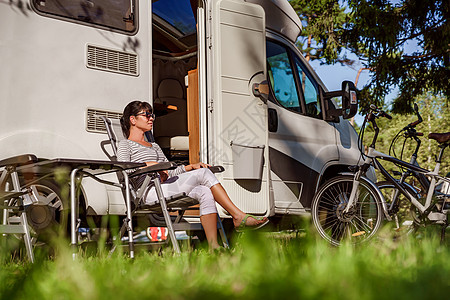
{"x":330,"y":171}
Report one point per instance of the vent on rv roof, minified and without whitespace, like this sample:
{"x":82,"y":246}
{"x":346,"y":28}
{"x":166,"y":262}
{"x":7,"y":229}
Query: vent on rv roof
{"x":112,"y":60}
{"x":94,"y":123}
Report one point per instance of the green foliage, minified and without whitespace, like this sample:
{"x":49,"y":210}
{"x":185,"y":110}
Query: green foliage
{"x":261,"y":266}
{"x":380,"y":31}
{"x":323,"y":22}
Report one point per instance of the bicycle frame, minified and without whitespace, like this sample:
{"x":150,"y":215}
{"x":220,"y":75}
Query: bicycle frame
{"x":424,"y":182}
{"x":374,"y":157}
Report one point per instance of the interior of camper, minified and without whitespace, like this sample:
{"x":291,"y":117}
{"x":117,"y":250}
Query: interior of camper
{"x":175,"y":78}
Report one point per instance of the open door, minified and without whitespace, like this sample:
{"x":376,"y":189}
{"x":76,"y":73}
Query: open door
{"x":237,"y":121}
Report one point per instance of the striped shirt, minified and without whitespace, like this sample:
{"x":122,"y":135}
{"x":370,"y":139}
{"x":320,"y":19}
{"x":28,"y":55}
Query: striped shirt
{"x":132,"y":151}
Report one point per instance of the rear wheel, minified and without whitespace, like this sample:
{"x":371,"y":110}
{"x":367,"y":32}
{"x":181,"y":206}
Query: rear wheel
{"x":357,"y":225}
{"x":48,"y":217}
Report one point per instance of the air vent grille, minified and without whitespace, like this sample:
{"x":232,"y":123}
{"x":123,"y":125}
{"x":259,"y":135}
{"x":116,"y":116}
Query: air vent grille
{"x":93,"y":121}
{"x":112,"y":60}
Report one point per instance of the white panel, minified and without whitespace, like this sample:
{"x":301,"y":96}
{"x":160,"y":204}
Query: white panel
{"x":46,"y":87}
{"x":247,"y":201}
{"x":239,"y":117}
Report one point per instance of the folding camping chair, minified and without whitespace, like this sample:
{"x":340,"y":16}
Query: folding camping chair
{"x":12,"y":201}
{"x":178,"y":203}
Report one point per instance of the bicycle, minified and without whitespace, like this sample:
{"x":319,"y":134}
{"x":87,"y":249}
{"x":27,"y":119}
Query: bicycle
{"x":351,"y":207}
{"x":405,"y":214}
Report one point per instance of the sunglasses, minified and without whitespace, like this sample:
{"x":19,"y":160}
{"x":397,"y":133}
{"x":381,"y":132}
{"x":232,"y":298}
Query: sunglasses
{"x":147,"y":114}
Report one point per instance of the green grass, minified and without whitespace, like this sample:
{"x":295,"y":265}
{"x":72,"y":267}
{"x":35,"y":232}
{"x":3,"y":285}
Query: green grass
{"x":260,"y":266}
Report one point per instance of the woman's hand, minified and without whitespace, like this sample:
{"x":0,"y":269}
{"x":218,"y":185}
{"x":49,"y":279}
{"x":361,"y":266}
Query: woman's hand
{"x":196,"y":166}
{"x":163,"y":175}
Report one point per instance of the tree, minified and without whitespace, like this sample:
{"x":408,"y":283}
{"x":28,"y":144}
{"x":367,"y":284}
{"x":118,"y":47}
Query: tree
{"x":379,"y":32}
{"x":323,"y":22}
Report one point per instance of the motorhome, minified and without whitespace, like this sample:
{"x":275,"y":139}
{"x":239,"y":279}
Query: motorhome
{"x":226,"y":80}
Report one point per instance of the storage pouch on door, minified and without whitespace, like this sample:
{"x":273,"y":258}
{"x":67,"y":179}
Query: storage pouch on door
{"x":247,"y":161}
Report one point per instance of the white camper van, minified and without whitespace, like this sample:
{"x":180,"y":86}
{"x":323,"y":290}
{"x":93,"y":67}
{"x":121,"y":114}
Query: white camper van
{"x":227,"y":83}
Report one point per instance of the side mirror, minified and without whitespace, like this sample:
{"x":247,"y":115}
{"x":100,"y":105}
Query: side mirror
{"x":349,"y":103}
{"x":349,"y":100}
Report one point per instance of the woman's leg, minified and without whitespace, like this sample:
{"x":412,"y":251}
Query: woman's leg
{"x":209,"y":223}
{"x":190,"y":185}
{"x":208,"y":213}
{"x":186,"y":182}
{"x":221,"y":197}
{"x":206,"y":178}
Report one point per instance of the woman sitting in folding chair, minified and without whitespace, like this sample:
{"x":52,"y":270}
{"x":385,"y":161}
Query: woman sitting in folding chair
{"x":196,"y":180}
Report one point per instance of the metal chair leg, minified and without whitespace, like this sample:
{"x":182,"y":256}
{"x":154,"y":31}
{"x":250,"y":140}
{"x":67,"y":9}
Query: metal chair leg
{"x":17,"y":224}
{"x":129,"y":216}
{"x":27,"y":237}
{"x":223,"y":235}
{"x":166,"y":214}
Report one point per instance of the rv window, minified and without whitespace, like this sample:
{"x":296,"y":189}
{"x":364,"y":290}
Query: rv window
{"x":174,"y":27}
{"x":309,"y":89}
{"x":180,"y":15}
{"x":281,"y":77}
{"x":114,"y":14}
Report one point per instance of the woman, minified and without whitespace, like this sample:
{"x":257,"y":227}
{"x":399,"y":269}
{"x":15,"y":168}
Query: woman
{"x":196,"y":180}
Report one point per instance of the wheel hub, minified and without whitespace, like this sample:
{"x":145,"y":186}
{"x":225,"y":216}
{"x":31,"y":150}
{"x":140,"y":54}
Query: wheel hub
{"x":40,"y":216}
{"x":345,"y":216}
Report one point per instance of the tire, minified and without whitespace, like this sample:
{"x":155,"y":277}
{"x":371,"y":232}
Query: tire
{"x":358,"y":225}
{"x":48,"y":217}
{"x":403,"y":213}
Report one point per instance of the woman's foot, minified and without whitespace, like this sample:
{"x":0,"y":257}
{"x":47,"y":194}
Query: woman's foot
{"x":247,"y":221}
{"x":219,"y":250}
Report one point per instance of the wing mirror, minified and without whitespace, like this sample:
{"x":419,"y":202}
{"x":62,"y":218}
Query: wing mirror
{"x":349,"y":102}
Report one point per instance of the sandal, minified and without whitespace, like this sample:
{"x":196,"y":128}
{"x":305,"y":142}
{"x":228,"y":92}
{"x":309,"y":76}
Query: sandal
{"x":243,"y":226}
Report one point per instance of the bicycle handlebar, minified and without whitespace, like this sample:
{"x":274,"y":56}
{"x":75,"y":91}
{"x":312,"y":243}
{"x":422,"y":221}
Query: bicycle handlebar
{"x":418,"y":121}
{"x":372,"y":113}
{"x":415,"y":123}
{"x":379,"y":112}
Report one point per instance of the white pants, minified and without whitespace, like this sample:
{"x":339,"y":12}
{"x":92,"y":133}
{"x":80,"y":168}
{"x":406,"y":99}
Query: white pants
{"x":196,"y":184}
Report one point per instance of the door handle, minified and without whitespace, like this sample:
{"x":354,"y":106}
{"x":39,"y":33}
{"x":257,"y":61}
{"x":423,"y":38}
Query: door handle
{"x":261,"y":90}
{"x":273,"y":120}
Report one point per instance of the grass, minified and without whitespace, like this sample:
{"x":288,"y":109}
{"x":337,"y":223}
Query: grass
{"x":260,"y":266}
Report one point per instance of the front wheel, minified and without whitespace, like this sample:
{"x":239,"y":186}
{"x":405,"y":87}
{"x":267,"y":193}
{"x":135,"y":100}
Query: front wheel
{"x":357,"y":225}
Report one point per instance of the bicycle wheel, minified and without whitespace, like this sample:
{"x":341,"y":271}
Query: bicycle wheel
{"x":403,"y":213}
{"x":359,"y":224}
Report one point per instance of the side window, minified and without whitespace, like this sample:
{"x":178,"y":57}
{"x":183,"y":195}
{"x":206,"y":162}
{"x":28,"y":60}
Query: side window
{"x":114,"y":14}
{"x":310,"y":93}
{"x":281,"y":76}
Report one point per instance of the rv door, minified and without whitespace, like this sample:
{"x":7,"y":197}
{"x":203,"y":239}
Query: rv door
{"x":237,"y":127}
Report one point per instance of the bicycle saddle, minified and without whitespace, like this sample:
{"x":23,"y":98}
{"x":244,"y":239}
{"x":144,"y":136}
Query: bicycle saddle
{"x":440,"y":137}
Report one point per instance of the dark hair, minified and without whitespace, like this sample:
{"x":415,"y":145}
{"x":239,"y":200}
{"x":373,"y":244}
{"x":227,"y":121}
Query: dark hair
{"x":132,"y":109}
